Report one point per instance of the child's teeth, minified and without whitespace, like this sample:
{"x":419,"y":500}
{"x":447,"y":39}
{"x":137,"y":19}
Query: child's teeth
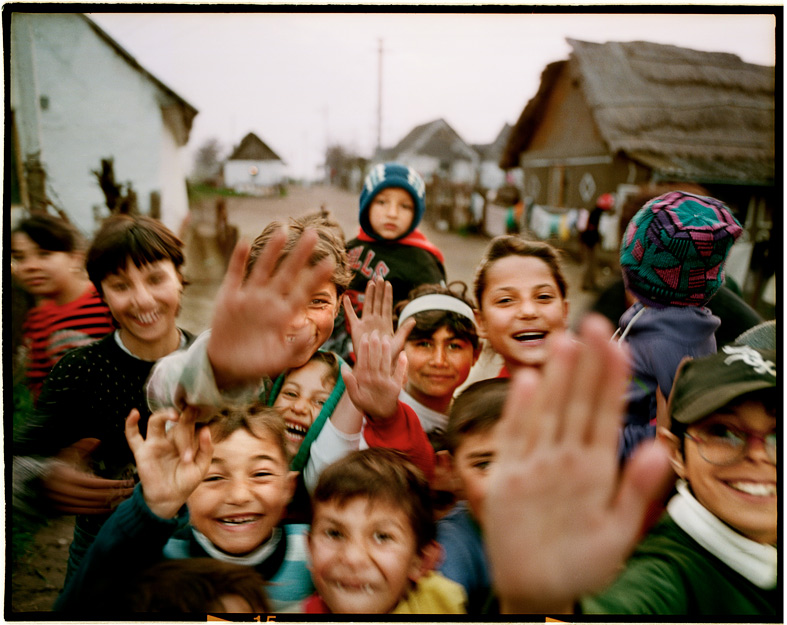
{"x":238,"y":521}
{"x":751,"y":488}
{"x":147,"y":317}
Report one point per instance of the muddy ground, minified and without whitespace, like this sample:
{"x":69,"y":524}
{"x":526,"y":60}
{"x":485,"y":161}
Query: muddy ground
{"x":33,"y":584}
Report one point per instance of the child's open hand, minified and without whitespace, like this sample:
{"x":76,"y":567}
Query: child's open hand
{"x":373,"y":385}
{"x":171,"y":463}
{"x":377,"y":316}
{"x":73,"y":489}
{"x":258,"y":328}
{"x":558,"y":517}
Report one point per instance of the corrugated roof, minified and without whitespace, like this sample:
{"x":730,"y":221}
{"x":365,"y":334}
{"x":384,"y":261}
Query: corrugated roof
{"x":706,"y":116}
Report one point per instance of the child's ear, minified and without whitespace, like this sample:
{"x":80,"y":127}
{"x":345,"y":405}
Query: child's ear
{"x":676,"y":454}
{"x":479,"y":320}
{"x":428,"y":560}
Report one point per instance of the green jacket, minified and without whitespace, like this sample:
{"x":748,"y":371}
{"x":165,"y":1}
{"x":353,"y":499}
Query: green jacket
{"x":670,"y":573}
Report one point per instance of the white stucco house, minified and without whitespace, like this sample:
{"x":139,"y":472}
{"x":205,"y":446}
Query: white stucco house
{"x":77,"y":97}
{"x":254,"y":167}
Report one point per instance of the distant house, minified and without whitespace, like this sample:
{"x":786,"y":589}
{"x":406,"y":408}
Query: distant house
{"x":490,"y":174}
{"x":77,"y":97}
{"x":616,"y":116}
{"x":254,"y":167}
{"x":435,"y":149}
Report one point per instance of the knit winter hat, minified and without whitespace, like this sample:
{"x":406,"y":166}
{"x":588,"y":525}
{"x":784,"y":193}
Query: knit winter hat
{"x":674,"y":249}
{"x":385,"y":176}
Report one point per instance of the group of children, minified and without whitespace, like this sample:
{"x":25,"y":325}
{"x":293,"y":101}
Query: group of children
{"x":369,"y":481}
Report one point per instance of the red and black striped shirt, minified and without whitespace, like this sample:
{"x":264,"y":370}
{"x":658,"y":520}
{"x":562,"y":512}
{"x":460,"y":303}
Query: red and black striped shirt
{"x":51,"y":330}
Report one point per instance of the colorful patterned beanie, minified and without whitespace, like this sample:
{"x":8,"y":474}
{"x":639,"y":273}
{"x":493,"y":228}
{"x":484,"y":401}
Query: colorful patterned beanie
{"x":385,"y":176}
{"x":675,"y":247}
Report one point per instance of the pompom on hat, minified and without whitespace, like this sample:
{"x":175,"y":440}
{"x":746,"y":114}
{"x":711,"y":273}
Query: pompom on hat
{"x":385,"y":176}
{"x":675,"y":247}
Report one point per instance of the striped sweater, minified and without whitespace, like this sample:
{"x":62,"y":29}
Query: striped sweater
{"x":51,"y":330}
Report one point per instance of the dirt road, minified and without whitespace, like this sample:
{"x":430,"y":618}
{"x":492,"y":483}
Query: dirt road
{"x":38,"y":577}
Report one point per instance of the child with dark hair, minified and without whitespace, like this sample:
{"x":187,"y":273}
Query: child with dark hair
{"x":563,"y":519}
{"x":232,"y":473}
{"x":389,"y":244}
{"x":372,"y":540}
{"x":196,"y":586}
{"x":73,"y":443}
{"x":672,"y":257}
{"x":441,"y":349}
{"x":48,"y":261}
{"x":471,"y":446}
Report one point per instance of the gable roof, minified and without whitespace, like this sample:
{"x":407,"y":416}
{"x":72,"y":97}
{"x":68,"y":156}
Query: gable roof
{"x":706,"y":116}
{"x":187,"y":111}
{"x":252,"y":148}
{"x":436,"y":139}
{"x":493,"y":151}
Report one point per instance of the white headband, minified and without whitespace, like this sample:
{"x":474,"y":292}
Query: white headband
{"x":435,"y":301}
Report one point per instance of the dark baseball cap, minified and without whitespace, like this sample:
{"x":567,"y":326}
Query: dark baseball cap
{"x":704,"y":385}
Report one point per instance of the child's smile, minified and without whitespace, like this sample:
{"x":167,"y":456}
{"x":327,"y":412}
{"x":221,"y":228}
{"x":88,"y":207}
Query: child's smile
{"x":363,"y":554}
{"x":742,"y":494}
{"x":244,"y":494}
{"x":521,"y":306}
{"x":302,"y":396}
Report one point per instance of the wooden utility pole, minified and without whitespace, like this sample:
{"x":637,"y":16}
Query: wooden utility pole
{"x":379,"y":94}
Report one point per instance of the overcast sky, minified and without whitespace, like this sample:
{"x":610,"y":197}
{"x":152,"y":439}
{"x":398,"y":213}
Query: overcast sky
{"x":303,"y":80}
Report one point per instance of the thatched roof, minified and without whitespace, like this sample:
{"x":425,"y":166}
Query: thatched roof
{"x":252,"y":148}
{"x":706,"y":116}
{"x":436,"y":139}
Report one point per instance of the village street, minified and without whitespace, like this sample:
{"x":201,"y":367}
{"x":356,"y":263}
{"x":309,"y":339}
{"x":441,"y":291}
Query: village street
{"x":250,"y":215}
{"x":37,"y":581}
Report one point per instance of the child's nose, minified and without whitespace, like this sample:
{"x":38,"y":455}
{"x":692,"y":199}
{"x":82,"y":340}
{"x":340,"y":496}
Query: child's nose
{"x":239,"y":492}
{"x":301,"y":406}
{"x":527,"y":308}
{"x":299,"y":320}
{"x":143,"y":297}
{"x":354,"y":553}
{"x":439,"y":355}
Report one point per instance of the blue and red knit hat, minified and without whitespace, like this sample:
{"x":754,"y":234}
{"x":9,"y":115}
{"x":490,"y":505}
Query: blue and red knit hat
{"x":385,"y":176}
{"x":675,"y":247}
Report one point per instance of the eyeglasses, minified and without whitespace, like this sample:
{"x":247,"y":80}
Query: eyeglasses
{"x":723,"y":445}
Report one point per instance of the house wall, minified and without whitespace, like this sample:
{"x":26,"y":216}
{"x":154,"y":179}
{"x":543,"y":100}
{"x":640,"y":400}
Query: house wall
{"x":82,"y":102}
{"x":237,"y":173}
{"x":490,"y":176}
{"x":566,"y":164}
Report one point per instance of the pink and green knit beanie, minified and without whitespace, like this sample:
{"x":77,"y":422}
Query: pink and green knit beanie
{"x":675,"y":247}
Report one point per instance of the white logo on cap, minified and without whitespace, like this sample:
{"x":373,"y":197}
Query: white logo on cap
{"x":750,"y":357}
